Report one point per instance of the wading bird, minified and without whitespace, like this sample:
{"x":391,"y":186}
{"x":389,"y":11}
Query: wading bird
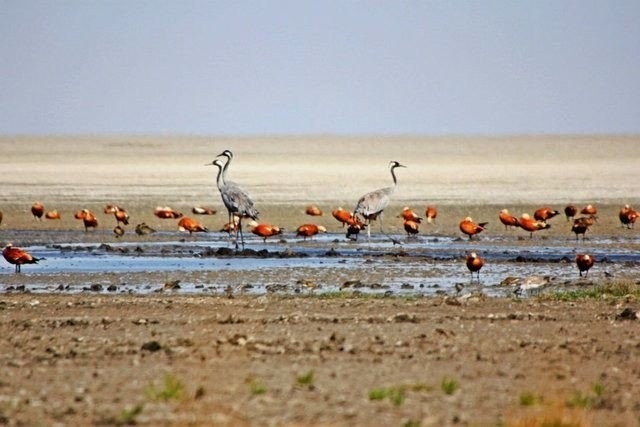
{"x":543,"y":214}
{"x":309,"y":230}
{"x":235,"y":199}
{"x":265,"y":230}
{"x":353,"y":230}
{"x":584,"y":263}
{"x":54,"y":214}
{"x":570,"y":212}
{"x":191,"y":225}
{"x":18,"y":257}
{"x":468,"y":227}
{"x":474,"y":264}
{"x":531,"y":225}
{"x":166,"y":213}
{"x":431,"y":214}
{"x":37,"y":210}
{"x":507,"y":219}
{"x":313,"y":210}
{"x":371,"y":205}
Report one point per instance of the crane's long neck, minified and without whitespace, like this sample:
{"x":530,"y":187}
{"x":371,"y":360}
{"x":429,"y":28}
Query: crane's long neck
{"x":393,"y":175}
{"x":220,"y":178}
{"x":224,"y":169}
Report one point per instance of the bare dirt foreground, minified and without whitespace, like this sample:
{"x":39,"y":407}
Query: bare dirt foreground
{"x":269,"y":360}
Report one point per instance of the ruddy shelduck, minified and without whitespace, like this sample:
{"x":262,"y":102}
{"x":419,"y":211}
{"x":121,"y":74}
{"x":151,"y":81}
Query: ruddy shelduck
{"x":409,"y":215}
{"x":628,"y":216}
{"x":313,"y":210}
{"x":531,"y":225}
{"x":18,"y":257}
{"x":584,"y":263}
{"x":54,"y":214}
{"x":474,"y":264}
{"x":199,"y":210}
{"x":507,"y":219}
{"x":344,"y":217}
{"x":166,"y":213}
{"x":581,"y":226}
{"x":431,"y":213}
{"x":121,"y":215}
{"x":544,"y":214}
{"x":411,"y":227}
{"x":470,"y":228}
{"x":191,"y":225}
{"x":37,"y":210}
{"x":265,"y":230}
{"x":589,"y":210}
{"x":570,"y":212}
{"x":309,"y":230}
{"x":88,"y":219}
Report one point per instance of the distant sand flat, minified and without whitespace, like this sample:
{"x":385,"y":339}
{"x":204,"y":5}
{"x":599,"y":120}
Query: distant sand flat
{"x":277,"y":170}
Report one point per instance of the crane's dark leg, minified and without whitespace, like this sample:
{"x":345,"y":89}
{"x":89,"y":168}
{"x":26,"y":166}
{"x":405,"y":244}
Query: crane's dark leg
{"x":241,"y":235}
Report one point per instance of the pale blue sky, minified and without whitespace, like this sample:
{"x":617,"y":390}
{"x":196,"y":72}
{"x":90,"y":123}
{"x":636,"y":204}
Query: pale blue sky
{"x":319,"y":67}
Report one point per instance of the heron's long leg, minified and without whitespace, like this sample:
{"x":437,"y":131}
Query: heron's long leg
{"x":381,"y":229}
{"x":241,"y":235}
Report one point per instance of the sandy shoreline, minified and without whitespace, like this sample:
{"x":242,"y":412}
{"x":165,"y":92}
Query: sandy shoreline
{"x":163,"y":170}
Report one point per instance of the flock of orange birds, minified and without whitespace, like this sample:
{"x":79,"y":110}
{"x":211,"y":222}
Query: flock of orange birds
{"x":411,"y":224}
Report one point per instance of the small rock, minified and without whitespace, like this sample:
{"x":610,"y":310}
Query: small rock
{"x":151,"y":346}
{"x":627,"y":314}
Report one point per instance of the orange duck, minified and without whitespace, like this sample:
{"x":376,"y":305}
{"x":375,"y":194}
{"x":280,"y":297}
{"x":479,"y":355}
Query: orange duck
{"x":265,"y":230}
{"x":121,"y":215}
{"x":474,"y":264}
{"x":18,"y":257}
{"x":309,"y":230}
{"x":431,"y":213}
{"x":570,"y":211}
{"x":531,"y":225}
{"x":468,"y":227}
{"x":198,"y":210}
{"x":88,"y":219}
{"x":411,"y":227}
{"x":628,"y":216}
{"x":581,"y":226}
{"x":544,"y":214}
{"x":507,"y":219}
{"x":191,"y":225}
{"x":345,"y":218}
{"x":313,"y":210}
{"x":589,"y":210}
{"x":584,"y":263}
{"x":54,"y":214}
{"x":166,"y":213}
{"x":409,"y":215}
{"x":37,"y":210}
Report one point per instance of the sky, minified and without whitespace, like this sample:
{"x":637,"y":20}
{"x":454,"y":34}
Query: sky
{"x":319,"y":67}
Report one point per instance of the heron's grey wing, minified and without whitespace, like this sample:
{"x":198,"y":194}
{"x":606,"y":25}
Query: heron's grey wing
{"x":238,"y":200}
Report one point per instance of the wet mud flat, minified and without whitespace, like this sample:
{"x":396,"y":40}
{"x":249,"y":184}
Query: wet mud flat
{"x":79,"y":359}
{"x":390,"y":265}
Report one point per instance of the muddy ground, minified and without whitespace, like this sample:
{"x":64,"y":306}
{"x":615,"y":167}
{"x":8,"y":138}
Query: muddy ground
{"x":226,"y":356}
{"x":269,"y":360}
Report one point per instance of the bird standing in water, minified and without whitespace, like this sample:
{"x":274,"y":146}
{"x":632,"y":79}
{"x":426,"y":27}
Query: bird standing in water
{"x":371,"y":205}
{"x":235,"y":199}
